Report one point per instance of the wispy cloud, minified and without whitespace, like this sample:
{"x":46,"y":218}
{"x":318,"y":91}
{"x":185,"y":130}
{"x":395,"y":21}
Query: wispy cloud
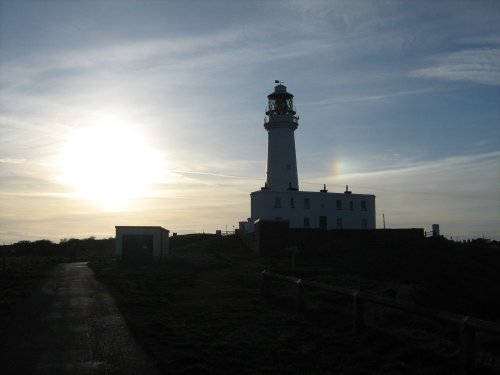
{"x":480,"y":65}
{"x":436,"y":165}
{"x":12,"y":161}
{"x":211,"y":174}
{"x":343,"y":99}
{"x":180,"y":54}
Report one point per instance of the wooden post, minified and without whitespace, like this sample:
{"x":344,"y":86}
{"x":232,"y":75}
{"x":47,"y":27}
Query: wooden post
{"x":467,"y":348}
{"x":358,"y":313}
{"x":300,"y":296}
{"x":265,"y":285}
{"x":3,"y":263}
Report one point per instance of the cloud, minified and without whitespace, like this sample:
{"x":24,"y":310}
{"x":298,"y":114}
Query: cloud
{"x":436,"y":165}
{"x":344,"y":99}
{"x":12,"y":161}
{"x":211,"y":174}
{"x":220,"y":49}
{"x":467,"y":177}
{"x":480,"y":65}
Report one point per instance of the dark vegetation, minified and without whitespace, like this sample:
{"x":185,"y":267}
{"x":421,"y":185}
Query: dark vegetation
{"x":458,"y":277}
{"x":24,"y":265}
{"x":200,"y":311}
{"x":20,"y":277}
{"x":83,"y":249}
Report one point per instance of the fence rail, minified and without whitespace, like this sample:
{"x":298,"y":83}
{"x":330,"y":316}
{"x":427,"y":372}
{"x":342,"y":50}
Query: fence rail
{"x":467,"y":325}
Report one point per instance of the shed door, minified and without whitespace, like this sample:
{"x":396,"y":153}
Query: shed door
{"x":137,"y":248}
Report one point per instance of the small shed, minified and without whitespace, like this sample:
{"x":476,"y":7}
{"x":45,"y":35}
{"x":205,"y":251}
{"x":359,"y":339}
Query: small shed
{"x":140,"y":244}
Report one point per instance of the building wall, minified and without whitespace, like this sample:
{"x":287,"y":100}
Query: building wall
{"x":314,"y":209}
{"x":160,"y":239}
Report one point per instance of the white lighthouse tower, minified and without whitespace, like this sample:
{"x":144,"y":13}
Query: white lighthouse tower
{"x":280,"y":124}
{"x":281,"y":200}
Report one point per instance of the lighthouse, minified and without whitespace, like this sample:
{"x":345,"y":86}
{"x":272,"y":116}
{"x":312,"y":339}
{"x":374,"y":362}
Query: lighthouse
{"x":280,"y":200}
{"x":281,"y":123}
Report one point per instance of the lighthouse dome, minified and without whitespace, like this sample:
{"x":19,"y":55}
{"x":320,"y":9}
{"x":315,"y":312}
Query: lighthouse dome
{"x":280,"y":88}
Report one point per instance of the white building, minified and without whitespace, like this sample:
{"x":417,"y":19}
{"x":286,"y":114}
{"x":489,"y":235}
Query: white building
{"x":281,"y":200}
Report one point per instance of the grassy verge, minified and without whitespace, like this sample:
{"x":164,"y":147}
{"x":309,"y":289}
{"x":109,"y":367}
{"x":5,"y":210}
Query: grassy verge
{"x":22,"y":275}
{"x":200,"y":312}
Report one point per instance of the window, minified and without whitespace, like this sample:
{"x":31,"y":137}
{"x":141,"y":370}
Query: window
{"x":339,"y":204}
{"x":292,"y":203}
{"x":364,"y":223}
{"x":277,"y":202}
{"x":307,"y":222}
{"x":307,"y":204}
{"x":363,"y":205}
{"x":351,"y":205}
{"x":339,"y":223}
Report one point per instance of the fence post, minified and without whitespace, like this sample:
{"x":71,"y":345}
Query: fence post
{"x":358,"y":312}
{"x":467,"y":347}
{"x":300,"y":295}
{"x":294,"y":251}
{"x":265,"y":285}
{"x":3,"y":263}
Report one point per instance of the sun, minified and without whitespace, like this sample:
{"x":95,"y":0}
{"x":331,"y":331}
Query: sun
{"x":110,"y":163}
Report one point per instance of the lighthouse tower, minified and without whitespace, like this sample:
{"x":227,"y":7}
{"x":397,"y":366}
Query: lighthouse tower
{"x":280,"y":124}
{"x":280,"y":200}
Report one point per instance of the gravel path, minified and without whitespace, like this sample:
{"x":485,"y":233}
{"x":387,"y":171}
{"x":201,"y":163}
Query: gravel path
{"x":71,"y":326}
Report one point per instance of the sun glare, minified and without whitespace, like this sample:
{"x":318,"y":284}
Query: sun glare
{"x":111,"y":164}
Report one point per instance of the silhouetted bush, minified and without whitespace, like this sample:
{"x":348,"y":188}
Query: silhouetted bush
{"x":76,"y":248}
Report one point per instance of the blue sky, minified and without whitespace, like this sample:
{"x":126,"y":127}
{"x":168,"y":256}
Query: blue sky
{"x":151,"y":112}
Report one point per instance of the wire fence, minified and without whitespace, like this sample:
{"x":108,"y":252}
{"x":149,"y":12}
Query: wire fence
{"x":467,"y":325}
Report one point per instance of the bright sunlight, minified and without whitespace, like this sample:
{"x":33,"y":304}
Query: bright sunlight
{"x":111,"y":164}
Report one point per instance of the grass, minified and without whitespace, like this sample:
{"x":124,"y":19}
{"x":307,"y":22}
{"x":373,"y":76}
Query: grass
{"x":200,"y":312}
{"x":21,"y":277}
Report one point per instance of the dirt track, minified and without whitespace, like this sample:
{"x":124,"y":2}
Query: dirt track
{"x":71,"y":326}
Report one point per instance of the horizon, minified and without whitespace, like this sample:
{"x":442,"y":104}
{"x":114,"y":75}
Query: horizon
{"x":151,"y":113}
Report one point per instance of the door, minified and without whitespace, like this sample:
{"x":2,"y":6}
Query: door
{"x":323,"y":223}
{"x":137,"y":248}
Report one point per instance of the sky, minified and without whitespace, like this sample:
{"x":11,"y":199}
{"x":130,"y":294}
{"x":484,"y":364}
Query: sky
{"x":151,"y":112}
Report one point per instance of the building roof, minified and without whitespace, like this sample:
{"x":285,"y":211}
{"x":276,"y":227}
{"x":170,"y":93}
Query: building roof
{"x":141,"y":227}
